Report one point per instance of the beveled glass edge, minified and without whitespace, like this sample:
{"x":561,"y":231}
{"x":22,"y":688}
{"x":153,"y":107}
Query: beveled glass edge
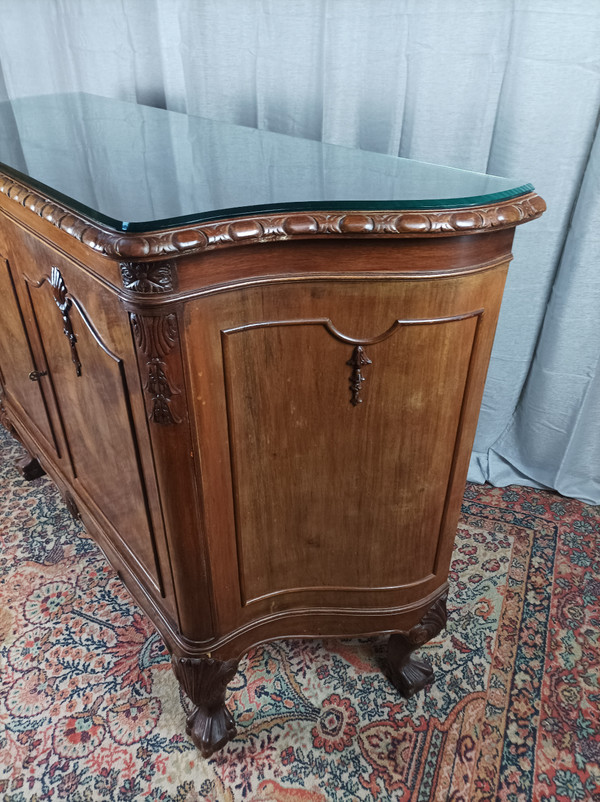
{"x":147,"y":226}
{"x":247,"y":230}
{"x":323,"y":206}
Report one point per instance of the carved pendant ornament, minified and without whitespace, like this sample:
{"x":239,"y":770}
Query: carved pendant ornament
{"x":156,"y":337}
{"x":357,"y":362}
{"x":64,"y":304}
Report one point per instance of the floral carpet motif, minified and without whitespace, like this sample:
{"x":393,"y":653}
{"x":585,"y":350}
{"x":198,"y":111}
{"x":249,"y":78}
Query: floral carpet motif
{"x":90,"y":709}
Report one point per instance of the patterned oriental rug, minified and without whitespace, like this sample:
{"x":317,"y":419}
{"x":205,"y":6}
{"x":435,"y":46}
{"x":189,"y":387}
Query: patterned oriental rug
{"x":90,"y":710}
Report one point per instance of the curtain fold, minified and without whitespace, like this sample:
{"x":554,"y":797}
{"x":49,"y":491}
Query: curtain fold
{"x":511,"y":88}
{"x":553,"y":435}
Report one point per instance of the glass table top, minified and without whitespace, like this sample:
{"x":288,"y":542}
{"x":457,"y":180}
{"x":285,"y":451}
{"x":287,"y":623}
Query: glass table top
{"x":138,"y":168}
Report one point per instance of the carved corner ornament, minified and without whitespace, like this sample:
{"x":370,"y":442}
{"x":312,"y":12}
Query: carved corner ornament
{"x":407,"y":675}
{"x":148,"y":277}
{"x":156,"y":337}
{"x":64,"y":303}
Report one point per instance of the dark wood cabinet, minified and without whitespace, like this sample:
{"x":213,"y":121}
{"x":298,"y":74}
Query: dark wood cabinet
{"x":265,"y":418}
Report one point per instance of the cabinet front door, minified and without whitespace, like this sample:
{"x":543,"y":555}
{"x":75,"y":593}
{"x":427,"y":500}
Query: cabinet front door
{"x":84,"y":353}
{"x":21,"y":371}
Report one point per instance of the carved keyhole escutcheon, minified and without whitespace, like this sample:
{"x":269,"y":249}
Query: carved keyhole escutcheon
{"x":358,"y":360}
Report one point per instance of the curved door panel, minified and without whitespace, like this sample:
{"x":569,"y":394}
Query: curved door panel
{"x":93,"y":398}
{"x":17,"y":361}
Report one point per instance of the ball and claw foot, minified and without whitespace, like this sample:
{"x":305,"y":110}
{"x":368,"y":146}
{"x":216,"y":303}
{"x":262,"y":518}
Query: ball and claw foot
{"x":410,"y":676}
{"x":210,"y":731}
{"x":210,"y":725}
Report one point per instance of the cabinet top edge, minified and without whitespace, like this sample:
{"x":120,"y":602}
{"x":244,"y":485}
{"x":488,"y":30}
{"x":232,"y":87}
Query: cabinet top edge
{"x":263,"y":228}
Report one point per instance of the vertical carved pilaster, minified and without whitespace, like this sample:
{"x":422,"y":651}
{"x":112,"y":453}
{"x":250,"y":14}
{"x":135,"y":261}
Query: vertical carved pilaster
{"x":156,"y":337}
{"x":407,"y":675}
{"x":357,"y":362}
{"x":64,"y":304}
{"x":204,"y":681}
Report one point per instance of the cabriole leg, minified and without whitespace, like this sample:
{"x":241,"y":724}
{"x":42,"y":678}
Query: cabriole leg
{"x":205,"y":681}
{"x":407,"y":675}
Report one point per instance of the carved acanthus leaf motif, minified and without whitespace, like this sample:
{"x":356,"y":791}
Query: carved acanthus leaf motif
{"x":64,"y":304}
{"x":359,"y":360}
{"x":408,"y":675}
{"x":156,"y":337}
{"x":147,"y":277}
{"x":431,"y":624}
{"x":204,"y":681}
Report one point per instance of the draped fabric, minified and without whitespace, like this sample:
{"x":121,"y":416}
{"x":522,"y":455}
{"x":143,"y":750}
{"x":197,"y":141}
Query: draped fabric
{"x":511,"y":88}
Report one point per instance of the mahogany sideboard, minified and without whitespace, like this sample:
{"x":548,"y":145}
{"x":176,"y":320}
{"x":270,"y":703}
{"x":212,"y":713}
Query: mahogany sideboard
{"x":253,"y":365}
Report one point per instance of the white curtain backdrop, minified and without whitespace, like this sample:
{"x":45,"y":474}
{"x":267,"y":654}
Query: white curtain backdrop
{"x":510,"y":87}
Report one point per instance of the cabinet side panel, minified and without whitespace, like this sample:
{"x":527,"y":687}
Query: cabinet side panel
{"x":335,"y":420}
{"x":332,"y":442}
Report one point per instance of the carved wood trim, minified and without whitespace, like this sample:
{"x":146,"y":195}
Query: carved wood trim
{"x":358,"y":360}
{"x":205,"y":681}
{"x":272,"y":227}
{"x":148,"y":277}
{"x":409,"y":676}
{"x":431,"y":624}
{"x":156,"y":337}
{"x":64,"y":303}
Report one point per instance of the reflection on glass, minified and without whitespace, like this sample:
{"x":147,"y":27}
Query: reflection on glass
{"x":140,"y":168}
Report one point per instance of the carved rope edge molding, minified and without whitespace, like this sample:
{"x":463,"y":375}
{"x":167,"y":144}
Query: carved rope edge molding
{"x":272,"y":227}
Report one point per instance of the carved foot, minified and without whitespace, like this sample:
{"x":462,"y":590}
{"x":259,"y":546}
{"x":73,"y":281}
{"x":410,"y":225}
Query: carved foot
{"x":205,"y":680}
{"x":410,"y":676}
{"x":71,"y":505}
{"x":30,"y":468}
